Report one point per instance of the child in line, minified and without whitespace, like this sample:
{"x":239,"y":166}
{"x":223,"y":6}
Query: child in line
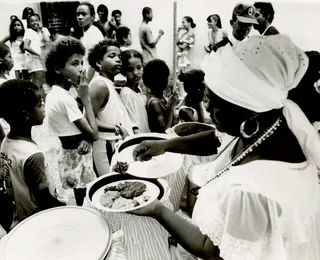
{"x":24,"y":171}
{"x":131,"y":95}
{"x":111,"y":115}
{"x":160,"y":111}
{"x":6,"y":64}
{"x":65,"y":70}
{"x":123,"y":35}
{"x":16,"y":34}
{"x":191,"y":109}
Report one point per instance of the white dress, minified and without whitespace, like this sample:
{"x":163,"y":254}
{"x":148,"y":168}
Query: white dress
{"x":262,"y":210}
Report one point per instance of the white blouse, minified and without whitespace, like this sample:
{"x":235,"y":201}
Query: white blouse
{"x":262,"y":210}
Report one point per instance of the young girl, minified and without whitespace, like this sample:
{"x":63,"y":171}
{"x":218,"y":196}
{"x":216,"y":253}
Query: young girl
{"x":6,"y":64}
{"x":160,"y":111}
{"x":215,"y":33}
{"x":131,"y":95}
{"x":111,"y":115}
{"x":16,"y":34}
{"x":24,"y":172}
{"x":36,"y":39}
{"x":191,"y":109}
{"x":185,"y":42}
{"x":76,"y":132}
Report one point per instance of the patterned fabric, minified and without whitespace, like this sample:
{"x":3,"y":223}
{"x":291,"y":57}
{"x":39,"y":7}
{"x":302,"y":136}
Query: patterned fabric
{"x":75,"y":170}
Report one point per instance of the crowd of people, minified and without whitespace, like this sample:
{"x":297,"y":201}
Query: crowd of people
{"x":94,"y":90}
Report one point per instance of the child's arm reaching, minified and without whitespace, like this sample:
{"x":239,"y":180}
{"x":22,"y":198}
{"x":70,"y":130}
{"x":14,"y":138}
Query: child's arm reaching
{"x":36,"y":179}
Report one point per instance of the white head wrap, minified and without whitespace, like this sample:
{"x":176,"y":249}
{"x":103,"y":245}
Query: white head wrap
{"x":257,"y":74}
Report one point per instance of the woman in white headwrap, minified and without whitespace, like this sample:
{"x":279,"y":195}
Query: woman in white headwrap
{"x":262,"y":199}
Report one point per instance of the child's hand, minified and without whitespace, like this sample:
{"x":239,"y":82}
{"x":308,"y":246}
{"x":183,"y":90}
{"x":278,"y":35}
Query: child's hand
{"x":121,"y":130}
{"x":161,"y":32}
{"x":174,"y":99}
{"x":83,"y":88}
{"x":84,"y":147}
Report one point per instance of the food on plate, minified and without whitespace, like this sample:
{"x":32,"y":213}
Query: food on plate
{"x":120,"y":167}
{"x":108,"y":198}
{"x":125,"y":195}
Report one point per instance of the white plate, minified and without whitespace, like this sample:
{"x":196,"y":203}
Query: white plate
{"x":157,"y":167}
{"x":63,"y":233}
{"x":152,"y":190}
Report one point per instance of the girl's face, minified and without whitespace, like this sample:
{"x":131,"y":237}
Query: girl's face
{"x":185,"y":24}
{"x":212,"y":23}
{"x":38,"y":113}
{"x":134,"y":71}
{"x":17,"y":26}
{"x":84,"y":16}
{"x":73,"y":68}
{"x":111,"y":62}
{"x":34,"y":22}
{"x":8,"y":61}
{"x":128,"y":40}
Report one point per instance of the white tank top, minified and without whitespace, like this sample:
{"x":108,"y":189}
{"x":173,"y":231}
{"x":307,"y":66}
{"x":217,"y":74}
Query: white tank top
{"x":113,"y":112}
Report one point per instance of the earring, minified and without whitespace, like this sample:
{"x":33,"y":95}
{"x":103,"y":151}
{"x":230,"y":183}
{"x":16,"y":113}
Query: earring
{"x":244,"y":134}
{"x":99,"y":66}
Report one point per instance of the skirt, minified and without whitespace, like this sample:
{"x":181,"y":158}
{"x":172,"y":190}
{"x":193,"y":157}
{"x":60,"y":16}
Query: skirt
{"x":75,"y":170}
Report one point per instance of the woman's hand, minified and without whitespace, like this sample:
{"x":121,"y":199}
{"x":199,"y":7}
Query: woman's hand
{"x":149,"y":210}
{"x":147,"y":149}
{"x":84,"y":147}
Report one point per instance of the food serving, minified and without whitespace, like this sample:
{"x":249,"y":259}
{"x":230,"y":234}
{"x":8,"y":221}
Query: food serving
{"x":120,"y":167}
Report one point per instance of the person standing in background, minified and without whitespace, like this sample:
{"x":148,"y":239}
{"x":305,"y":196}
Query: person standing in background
{"x":148,"y":44}
{"x":264,"y":16}
{"x":215,"y":33}
{"x":25,"y":14}
{"x":114,"y":24}
{"x":91,"y":34}
{"x":102,"y":23}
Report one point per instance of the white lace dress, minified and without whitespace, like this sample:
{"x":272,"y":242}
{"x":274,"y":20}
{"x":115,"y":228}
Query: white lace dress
{"x":262,"y":210}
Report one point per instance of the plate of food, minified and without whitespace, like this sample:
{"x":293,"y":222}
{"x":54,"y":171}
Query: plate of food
{"x":123,"y":192}
{"x":158,"y":167}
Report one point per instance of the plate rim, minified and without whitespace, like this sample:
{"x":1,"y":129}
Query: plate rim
{"x":109,"y":210}
{"x":97,"y":213}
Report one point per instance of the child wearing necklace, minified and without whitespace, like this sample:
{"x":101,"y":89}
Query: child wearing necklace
{"x":160,"y":111}
{"x":24,"y":172}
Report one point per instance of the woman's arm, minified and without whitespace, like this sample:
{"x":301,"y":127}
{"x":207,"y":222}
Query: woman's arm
{"x":202,"y":144}
{"x":186,"y":234}
{"x":27,"y":48}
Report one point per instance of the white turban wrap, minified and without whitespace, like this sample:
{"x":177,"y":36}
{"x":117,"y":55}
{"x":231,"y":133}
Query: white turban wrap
{"x":257,"y":74}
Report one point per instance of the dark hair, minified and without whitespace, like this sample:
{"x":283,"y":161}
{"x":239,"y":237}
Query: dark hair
{"x":90,"y":6}
{"x":103,"y":8}
{"x":193,"y":80}
{"x":122,"y":32}
{"x":25,"y":12}
{"x":155,"y":74}
{"x":305,"y":94}
{"x":266,"y":9}
{"x":126,"y":55}
{"x":99,"y":50}
{"x":17,"y":96}
{"x":217,"y":19}
{"x":13,"y":34}
{"x":58,"y":56}
{"x":115,"y":12}
{"x":13,"y":16}
{"x":190,"y":20}
{"x":145,"y":11}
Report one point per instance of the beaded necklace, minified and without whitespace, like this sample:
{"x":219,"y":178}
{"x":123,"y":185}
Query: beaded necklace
{"x":248,"y":149}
